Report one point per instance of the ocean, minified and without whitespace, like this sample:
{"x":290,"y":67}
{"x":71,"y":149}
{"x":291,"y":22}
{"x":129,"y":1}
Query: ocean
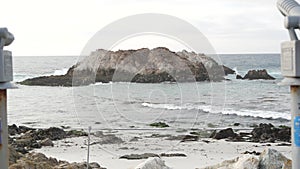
{"x":134,"y":106}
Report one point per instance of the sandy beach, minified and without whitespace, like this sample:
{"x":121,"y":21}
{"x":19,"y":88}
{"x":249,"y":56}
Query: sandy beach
{"x":199,"y":154}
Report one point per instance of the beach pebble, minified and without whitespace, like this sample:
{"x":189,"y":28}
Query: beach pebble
{"x":153,"y":163}
{"x":46,"y":142}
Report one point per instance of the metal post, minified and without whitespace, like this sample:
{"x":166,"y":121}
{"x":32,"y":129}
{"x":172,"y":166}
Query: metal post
{"x":6,"y":75}
{"x":88,"y":150}
{"x":3,"y":130}
{"x":295,"y":96}
{"x":290,"y":69}
{"x":294,"y":84}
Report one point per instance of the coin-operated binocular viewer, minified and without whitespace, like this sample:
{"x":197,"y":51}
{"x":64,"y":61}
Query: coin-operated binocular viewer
{"x":290,"y":68}
{"x":6,"y":76}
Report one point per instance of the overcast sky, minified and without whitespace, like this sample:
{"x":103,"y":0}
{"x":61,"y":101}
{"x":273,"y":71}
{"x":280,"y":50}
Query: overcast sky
{"x":63,"y":27}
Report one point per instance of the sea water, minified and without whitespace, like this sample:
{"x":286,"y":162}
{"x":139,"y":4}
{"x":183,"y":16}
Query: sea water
{"x":136,"y":105}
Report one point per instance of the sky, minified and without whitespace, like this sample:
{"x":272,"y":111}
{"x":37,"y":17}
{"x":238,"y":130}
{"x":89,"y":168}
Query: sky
{"x":63,"y":27}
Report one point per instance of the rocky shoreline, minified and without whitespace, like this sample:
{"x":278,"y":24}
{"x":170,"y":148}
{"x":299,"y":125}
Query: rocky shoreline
{"x":22,"y":140}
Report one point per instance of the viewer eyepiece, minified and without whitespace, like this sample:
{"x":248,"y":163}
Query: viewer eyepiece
{"x":289,"y":7}
{"x":291,"y":10}
{"x":6,"y":37}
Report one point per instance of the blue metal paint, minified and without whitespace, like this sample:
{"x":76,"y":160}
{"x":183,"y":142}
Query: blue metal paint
{"x":0,"y":131}
{"x":297,"y":131}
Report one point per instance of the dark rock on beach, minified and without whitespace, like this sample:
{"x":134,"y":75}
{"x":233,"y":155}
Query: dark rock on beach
{"x":76,"y":133}
{"x":47,"y":142}
{"x":159,"y":125}
{"x":39,"y":161}
{"x":107,"y":138}
{"x":147,"y":155}
{"x":258,"y":74}
{"x":53,"y":133}
{"x":226,"y":133}
{"x":252,"y":152}
{"x":138,"y":156}
{"x":14,"y":129}
{"x":141,"y":66}
{"x":14,"y":155}
{"x":172,"y":155}
{"x":263,"y":133}
{"x":36,"y":138}
{"x":269,"y":133}
{"x":184,"y":138}
{"x":24,"y":139}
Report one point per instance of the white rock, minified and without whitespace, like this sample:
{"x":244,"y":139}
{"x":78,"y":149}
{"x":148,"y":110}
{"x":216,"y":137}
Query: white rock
{"x":247,"y":162}
{"x":269,"y":159}
{"x":243,"y":162}
{"x":272,"y":159}
{"x":153,"y":163}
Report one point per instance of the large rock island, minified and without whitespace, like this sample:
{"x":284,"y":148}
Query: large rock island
{"x":141,"y":66}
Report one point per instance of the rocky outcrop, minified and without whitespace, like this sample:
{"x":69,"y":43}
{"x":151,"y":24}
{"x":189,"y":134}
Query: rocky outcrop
{"x":258,"y":74}
{"x":239,"y":77}
{"x":268,"y":159}
{"x":269,"y":133}
{"x":263,"y":133}
{"x":13,"y":155}
{"x":228,"y":70}
{"x":40,"y":161}
{"x":141,"y":66}
{"x":24,"y":139}
{"x":61,"y":80}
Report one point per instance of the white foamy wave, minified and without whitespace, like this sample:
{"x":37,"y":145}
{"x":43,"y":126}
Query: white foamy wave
{"x":236,"y":71}
{"x":101,"y":84}
{"x":21,"y":77}
{"x":275,"y":73}
{"x":241,"y":112}
{"x":60,"y":72}
{"x":176,"y":107}
{"x":259,"y":113}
